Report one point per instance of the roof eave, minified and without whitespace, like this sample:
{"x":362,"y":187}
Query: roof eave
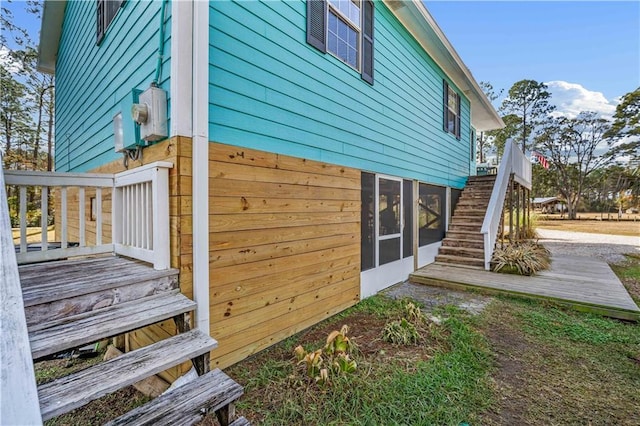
{"x":50,"y":31}
{"x":418,"y":21}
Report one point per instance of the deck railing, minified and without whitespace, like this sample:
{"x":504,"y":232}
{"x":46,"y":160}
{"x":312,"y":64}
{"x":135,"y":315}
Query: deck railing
{"x":18,"y":393}
{"x":513,"y":163}
{"x":139,"y":214}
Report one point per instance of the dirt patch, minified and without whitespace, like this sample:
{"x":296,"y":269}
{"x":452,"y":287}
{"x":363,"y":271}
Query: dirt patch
{"x":508,"y":347}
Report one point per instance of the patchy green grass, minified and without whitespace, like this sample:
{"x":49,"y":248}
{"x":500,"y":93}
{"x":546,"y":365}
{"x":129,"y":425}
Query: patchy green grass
{"x":557,"y":366}
{"x":629,"y":273}
{"x":444,"y":379}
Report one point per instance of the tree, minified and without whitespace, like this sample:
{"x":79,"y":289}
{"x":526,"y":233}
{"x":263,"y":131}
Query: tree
{"x":571,"y":145}
{"x":15,"y":118}
{"x":482,"y":138}
{"x":529,"y":101}
{"x":499,"y":137}
{"x":26,"y":97}
{"x":626,"y":127}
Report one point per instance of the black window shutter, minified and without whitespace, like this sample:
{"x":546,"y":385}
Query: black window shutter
{"x":458,"y":117}
{"x":316,"y":25}
{"x":367,"y":41}
{"x":99,"y":20}
{"x":445,"y":104}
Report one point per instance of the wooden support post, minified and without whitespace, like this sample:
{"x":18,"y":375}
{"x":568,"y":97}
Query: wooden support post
{"x":226,"y":414}
{"x":183,"y":322}
{"x":517,"y":211}
{"x":202,"y":364}
{"x":511,"y":210}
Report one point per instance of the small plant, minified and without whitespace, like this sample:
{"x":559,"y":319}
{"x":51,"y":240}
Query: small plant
{"x":336,"y":352}
{"x":414,"y":313}
{"x":523,"y":258}
{"x":400,"y":332}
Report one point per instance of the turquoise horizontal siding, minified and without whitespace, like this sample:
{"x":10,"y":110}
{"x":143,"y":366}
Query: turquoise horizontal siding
{"x":92,"y":81}
{"x":270,"y":90}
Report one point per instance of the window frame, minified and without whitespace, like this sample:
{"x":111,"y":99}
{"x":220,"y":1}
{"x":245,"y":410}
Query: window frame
{"x":448,"y":93}
{"x":317,"y":33}
{"x":103,"y":19}
{"x":332,"y":8}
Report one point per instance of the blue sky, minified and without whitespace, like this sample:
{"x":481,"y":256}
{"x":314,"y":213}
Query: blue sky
{"x":589,"y":49}
{"x":594,"y":46}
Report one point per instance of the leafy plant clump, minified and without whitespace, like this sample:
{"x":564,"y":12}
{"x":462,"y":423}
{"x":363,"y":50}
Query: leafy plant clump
{"x":405,"y":330}
{"x":522,"y":258}
{"x":400,"y":332}
{"x":335,"y":358}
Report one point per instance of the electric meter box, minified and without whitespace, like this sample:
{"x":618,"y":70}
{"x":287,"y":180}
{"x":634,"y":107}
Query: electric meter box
{"x":126,"y":131}
{"x":151,"y":114}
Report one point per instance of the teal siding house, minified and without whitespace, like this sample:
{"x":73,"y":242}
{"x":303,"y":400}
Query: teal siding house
{"x":319,"y":146}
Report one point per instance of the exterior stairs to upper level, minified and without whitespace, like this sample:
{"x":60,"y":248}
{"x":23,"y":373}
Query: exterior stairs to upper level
{"x":464,"y":244}
{"x":72,"y":303}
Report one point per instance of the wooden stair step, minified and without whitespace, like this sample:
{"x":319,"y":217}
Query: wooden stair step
{"x":74,"y":278}
{"x":55,"y":336}
{"x":465,"y":235}
{"x":240,"y":421}
{"x":459,"y":260}
{"x":467,"y":219}
{"x":463,"y":251}
{"x":471,"y":227}
{"x":461,"y":242}
{"x":73,"y":391}
{"x":469,"y":211}
{"x":181,"y":406}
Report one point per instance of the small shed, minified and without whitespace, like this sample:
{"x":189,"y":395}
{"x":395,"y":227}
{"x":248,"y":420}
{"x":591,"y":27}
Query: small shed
{"x":548,"y":204}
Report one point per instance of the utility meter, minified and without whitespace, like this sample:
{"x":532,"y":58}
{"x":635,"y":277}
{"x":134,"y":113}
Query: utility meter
{"x":151,"y":114}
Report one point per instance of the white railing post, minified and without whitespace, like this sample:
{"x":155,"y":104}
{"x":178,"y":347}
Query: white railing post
{"x":513,"y":162}
{"x":139,"y":213}
{"x":160,"y":224}
{"x":18,"y":393}
{"x":44,"y":181}
{"x":134,"y":208}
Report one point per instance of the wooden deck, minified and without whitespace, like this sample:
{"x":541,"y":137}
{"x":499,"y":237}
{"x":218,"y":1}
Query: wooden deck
{"x":583,"y":283}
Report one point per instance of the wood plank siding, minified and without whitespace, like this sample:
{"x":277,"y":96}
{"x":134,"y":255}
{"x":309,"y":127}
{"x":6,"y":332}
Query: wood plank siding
{"x":270,"y":90}
{"x":284,"y":247}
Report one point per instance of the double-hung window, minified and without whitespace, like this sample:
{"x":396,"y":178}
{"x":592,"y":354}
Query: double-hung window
{"x":106,"y":11}
{"x":451,"y":106}
{"x":343,"y":28}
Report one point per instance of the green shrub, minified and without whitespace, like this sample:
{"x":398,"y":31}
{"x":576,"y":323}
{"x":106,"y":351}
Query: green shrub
{"x":400,"y":332}
{"x":522,"y":258}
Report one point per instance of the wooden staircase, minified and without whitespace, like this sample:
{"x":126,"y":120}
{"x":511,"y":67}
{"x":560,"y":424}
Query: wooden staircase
{"x":72,"y":303}
{"x":464,"y":243}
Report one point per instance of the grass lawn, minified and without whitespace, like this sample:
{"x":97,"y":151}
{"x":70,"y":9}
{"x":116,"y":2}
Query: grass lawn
{"x":629,"y":228}
{"x":33,"y":234}
{"x":518,"y":362}
{"x":443,"y":379}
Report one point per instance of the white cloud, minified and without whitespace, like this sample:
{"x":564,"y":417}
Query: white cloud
{"x":7,"y":62}
{"x":571,"y":99}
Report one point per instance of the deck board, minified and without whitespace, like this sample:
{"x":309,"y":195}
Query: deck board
{"x":574,"y":280}
{"x":51,"y":281}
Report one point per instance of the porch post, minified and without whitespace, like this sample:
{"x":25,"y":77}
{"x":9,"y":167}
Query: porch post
{"x":200,"y":162}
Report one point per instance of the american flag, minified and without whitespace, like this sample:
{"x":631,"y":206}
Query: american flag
{"x":541,"y":159}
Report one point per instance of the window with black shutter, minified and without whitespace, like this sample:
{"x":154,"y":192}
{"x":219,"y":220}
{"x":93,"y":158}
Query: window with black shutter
{"x":451,"y":108}
{"x":106,"y":11}
{"x":344,"y":28}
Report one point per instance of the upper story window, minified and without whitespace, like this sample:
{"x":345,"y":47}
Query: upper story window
{"x":345,"y":29}
{"x":106,"y":11}
{"x":451,"y":106}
